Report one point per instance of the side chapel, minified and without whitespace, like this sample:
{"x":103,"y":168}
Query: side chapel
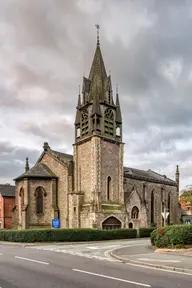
{"x":92,"y":188}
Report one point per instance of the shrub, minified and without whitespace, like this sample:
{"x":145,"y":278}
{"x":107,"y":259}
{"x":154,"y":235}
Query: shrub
{"x":172,"y":236}
{"x":145,"y":232}
{"x":65,"y":235}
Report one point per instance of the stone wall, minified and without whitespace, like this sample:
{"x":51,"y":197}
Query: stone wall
{"x":43,"y":220}
{"x":145,"y":202}
{"x":61,"y":170}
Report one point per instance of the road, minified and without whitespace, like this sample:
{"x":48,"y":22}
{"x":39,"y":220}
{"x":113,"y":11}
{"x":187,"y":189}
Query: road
{"x":24,"y":267}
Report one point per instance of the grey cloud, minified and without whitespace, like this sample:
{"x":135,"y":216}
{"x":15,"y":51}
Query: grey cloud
{"x":63,"y":33}
{"x":12,"y":160}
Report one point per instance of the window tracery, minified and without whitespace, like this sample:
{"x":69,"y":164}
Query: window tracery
{"x":84,"y":122}
{"x":109,"y":122}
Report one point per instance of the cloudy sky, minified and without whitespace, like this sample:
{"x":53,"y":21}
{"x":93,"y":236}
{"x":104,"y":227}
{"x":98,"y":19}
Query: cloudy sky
{"x":47,"y":45}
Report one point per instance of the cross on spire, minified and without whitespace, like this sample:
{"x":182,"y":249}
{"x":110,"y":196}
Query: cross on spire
{"x":97,"y":27}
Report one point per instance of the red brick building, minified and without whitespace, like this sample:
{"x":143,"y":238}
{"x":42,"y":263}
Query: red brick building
{"x":7,"y":202}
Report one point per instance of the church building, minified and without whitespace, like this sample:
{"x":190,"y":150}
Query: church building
{"x":92,"y":188}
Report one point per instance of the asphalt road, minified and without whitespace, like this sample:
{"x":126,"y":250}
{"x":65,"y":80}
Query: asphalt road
{"x":28,"y":268}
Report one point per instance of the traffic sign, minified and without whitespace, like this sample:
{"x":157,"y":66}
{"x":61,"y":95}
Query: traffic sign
{"x":165,"y":214}
{"x":56,"y":223}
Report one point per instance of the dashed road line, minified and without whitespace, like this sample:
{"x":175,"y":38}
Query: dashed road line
{"x":112,"y":278}
{"x":31,"y":260}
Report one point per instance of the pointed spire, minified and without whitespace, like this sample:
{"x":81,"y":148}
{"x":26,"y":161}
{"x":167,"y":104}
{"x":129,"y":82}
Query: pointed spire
{"x":177,"y":170}
{"x":78,"y":114}
{"x":27,"y":164}
{"x":118,"y":109}
{"x":97,"y":73}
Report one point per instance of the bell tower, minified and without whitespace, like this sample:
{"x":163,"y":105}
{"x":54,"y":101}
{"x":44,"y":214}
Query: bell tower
{"x":98,"y":148}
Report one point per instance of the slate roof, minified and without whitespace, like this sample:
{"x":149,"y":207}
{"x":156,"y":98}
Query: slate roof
{"x":62,"y":156}
{"x":40,"y":170}
{"x":148,"y":175}
{"x":7,"y":190}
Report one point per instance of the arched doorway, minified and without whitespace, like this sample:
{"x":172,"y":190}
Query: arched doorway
{"x":130,"y":225}
{"x":111,"y":223}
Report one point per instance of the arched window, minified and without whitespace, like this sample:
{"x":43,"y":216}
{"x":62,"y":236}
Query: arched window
{"x":135,"y":213}
{"x":152,"y":207}
{"x":84,"y":122}
{"x":108,"y":188}
{"x":21,"y":194}
{"x":111,"y":223}
{"x":39,"y":193}
{"x":109,"y":120}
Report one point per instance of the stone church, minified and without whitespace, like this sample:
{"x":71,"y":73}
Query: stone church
{"x":92,"y":188}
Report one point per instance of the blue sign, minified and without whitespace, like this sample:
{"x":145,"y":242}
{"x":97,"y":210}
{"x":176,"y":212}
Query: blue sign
{"x":56,"y":223}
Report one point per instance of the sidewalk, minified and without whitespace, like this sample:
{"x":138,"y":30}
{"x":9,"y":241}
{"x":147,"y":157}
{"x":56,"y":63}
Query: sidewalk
{"x":145,"y":256}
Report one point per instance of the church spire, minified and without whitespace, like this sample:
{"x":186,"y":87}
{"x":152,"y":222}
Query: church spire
{"x":78,"y":114}
{"x":97,"y":74}
{"x":118,"y":109}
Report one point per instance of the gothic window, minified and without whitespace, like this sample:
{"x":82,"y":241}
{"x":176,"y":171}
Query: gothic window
{"x":39,"y":193}
{"x":108,"y":188}
{"x":109,"y":120}
{"x":21,"y":194}
{"x":152,"y":207}
{"x":84,"y":122}
{"x":135,"y":213}
{"x":111,"y":223}
{"x":162,"y":198}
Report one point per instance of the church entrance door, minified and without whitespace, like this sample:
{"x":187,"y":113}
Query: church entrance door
{"x":111,"y":223}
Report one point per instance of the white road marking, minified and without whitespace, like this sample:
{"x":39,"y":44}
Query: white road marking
{"x":112,"y":278}
{"x":31,"y":260}
{"x":158,"y":260}
{"x":1,"y":255}
{"x":92,"y":247}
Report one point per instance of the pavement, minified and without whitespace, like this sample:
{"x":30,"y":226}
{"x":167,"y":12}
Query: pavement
{"x":144,"y":255}
{"x":76,"y":266}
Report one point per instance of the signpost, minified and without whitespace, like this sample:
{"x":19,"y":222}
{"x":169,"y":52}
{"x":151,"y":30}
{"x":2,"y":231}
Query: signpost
{"x":56,"y":223}
{"x":165,"y":214}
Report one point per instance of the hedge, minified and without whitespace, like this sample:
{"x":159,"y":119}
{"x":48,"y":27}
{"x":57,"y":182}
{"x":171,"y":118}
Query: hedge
{"x":65,"y":235}
{"x":174,"y":236}
{"x":145,"y":232}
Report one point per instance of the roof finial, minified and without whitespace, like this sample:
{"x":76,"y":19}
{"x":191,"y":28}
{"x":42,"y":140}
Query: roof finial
{"x":97,"y":27}
{"x":117,"y":92}
{"x":27,"y":164}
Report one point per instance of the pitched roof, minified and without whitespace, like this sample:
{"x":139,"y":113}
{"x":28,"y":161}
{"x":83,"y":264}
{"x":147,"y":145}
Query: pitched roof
{"x":148,"y":175}
{"x":62,"y":156}
{"x":7,"y":190}
{"x":40,"y":170}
